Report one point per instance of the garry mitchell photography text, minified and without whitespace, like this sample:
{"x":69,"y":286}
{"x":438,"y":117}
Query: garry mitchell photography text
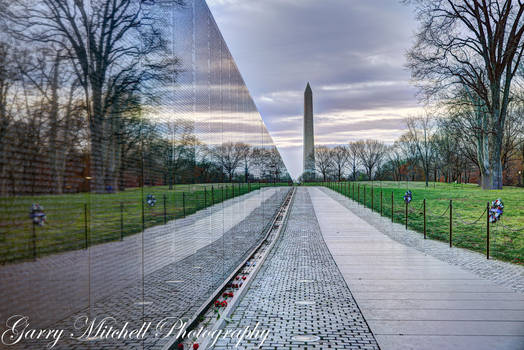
{"x":18,"y":330}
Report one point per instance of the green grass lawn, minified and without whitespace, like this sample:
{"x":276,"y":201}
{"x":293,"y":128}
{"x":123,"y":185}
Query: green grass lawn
{"x":75,"y":221}
{"x":468,"y":213}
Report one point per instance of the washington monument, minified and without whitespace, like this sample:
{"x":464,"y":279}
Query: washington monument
{"x":309,"y":141}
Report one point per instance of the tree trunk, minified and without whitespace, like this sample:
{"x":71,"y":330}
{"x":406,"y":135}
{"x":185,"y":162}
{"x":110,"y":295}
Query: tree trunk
{"x":97,"y":142}
{"x":4,"y":126}
{"x":121,"y":171}
{"x":497,"y":172}
{"x":56,"y":183}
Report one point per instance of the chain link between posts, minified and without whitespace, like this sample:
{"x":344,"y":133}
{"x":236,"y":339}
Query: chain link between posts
{"x":459,"y":217}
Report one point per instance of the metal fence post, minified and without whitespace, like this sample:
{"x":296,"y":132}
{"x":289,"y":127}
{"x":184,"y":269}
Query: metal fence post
{"x":406,"y":215}
{"x":392,"y":207}
{"x":121,"y":221}
{"x":372,"y":199}
{"x":424,"y":218}
{"x":143,"y":212}
{"x":205,"y":197}
{"x":450,"y":223}
{"x":487,"y":231}
{"x":165,"y":210}
{"x":34,"y":240}
{"x":381,"y":200}
{"x":213,"y":195}
{"x":232,"y":190}
{"x":223,"y":193}
{"x":364,"y":196}
{"x":358,"y":193}
{"x":184,"y":204}
{"x":86,"y":234}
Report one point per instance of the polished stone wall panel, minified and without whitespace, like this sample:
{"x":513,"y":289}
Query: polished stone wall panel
{"x":130,"y":228}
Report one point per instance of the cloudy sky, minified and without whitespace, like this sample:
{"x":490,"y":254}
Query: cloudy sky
{"x":351,"y":51}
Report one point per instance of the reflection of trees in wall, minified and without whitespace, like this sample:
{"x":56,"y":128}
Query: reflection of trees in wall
{"x":83,"y":88}
{"x":229,"y":156}
{"x":111,"y":46}
{"x":274,"y":166}
{"x":42,"y":112}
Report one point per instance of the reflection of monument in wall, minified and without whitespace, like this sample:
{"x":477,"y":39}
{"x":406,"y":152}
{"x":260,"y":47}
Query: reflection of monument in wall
{"x":309,"y":142}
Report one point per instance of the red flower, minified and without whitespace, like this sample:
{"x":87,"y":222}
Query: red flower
{"x":195,"y":346}
{"x":180,"y":346}
{"x":231,"y":294}
{"x":224,"y":303}
{"x":244,"y":278}
{"x":225,"y":294}
{"x":237,"y":278}
{"x":217,"y":303}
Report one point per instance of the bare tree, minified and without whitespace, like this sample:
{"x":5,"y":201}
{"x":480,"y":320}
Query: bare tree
{"x":9,"y":76}
{"x":249,"y":159}
{"x":371,"y":154}
{"x":268,"y":162}
{"x":229,"y":156}
{"x":420,"y":133}
{"x":111,"y":44}
{"x":396,"y":159}
{"x":474,"y":45}
{"x":460,"y":127}
{"x":354,"y":150}
{"x":513,"y":135}
{"x":323,"y":161}
{"x":340,"y":156}
{"x":274,"y":163}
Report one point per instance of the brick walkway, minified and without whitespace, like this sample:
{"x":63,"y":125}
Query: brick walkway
{"x":301,"y":268}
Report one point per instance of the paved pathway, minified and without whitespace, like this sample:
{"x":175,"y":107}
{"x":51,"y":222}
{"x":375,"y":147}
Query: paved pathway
{"x":500,"y":272}
{"x":301,"y":269}
{"x":412,"y":300}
